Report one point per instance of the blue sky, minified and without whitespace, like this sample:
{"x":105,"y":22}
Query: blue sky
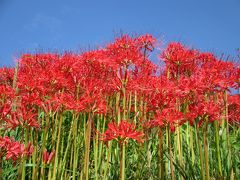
{"x":58,"y":25}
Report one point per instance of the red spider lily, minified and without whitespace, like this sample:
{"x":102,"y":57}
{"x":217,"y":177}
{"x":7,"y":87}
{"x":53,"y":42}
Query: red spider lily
{"x":22,"y":117}
{"x":13,"y":149}
{"x":52,"y":105}
{"x":211,"y":110}
{"x":121,"y":132}
{"x":47,"y":157}
{"x":179,"y":59}
{"x":218,"y":75}
{"x":146,"y":41}
{"x":168,"y":117}
{"x":6,"y":93}
{"x":124,"y":51}
{"x":43,"y":75}
{"x":29,"y":149}
{"x":92,"y":102}
{"x":28,"y":117}
{"x":237,"y":78}
{"x":234,"y":109}
{"x":5,"y":110}
{"x":6,"y":76}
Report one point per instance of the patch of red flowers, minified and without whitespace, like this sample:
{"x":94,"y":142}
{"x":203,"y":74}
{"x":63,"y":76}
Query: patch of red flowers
{"x":189,"y":87}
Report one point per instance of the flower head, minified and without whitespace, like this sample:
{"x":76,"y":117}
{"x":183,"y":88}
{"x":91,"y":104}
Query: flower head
{"x":121,"y":132}
{"x":47,"y":156}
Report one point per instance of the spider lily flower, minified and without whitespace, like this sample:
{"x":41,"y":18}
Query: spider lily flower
{"x":167,"y":117}
{"x":121,"y":132}
{"x":48,"y":156}
{"x":13,"y":149}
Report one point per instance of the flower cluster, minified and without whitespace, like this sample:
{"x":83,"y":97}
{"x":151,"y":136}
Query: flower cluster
{"x":13,"y":149}
{"x":121,"y":132}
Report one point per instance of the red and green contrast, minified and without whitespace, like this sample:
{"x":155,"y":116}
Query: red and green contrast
{"x":111,"y":113}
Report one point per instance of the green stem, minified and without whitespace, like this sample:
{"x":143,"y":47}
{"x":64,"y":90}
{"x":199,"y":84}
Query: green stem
{"x":87,"y":146}
{"x":57,"y":148}
{"x":118,"y":111}
{"x":218,"y":156}
{"x":64,"y":162}
{"x":122,"y":162}
{"x":129,"y":105}
{"x":44,"y":141}
{"x":25,"y":158}
{"x":191,"y":144}
{"x":124,"y":103}
{"x":100,"y":158}
{"x":1,"y":163}
{"x":161,"y":162}
{"x":228,"y":146}
{"x":109,"y":152}
{"x":75,"y":147}
{"x":170,"y":154}
{"x":205,"y":136}
{"x":35,"y":155}
{"x":165,"y":147}
{"x":200,"y":151}
{"x":179,"y":146}
{"x":95,"y":142}
{"x":135,"y":107}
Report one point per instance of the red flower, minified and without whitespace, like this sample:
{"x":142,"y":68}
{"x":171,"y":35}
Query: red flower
{"x":201,"y":109}
{"x":234,"y":109}
{"x":6,"y":75}
{"x":122,"y":132}
{"x":47,"y":157}
{"x":168,"y":117}
{"x":13,"y":149}
{"x":22,"y":117}
{"x":146,"y":41}
{"x":179,"y":59}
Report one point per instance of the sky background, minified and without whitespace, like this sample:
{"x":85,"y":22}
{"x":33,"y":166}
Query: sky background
{"x":63,"y":25}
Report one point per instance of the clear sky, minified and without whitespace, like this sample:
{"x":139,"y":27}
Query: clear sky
{"x":58,"y":25}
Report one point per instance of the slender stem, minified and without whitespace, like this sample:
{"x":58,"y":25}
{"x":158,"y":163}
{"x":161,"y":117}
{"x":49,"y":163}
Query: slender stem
{"x":1,"y":163}
{"x":161,"y":162}
{"x":118,"y":111}
{"x":122,"y":162}
{"x":170,"y":154}
{"x":35,"y":155}
{"x":24,"y":158}
{"x":44,"y":141}
{"x":135,"y":106}
{"x":179,"y":145}
{"x":57,"y":148}
{"x":165,"y":147}
{"x":124,"y":103}
{"x":228,"y":145}
{"x":191,"y":144}
{"x":87,"y":146}
{"x":64,"y":162}
{"x":205,"y":136}
{"x":200,"y":152}
{"x":95,"y":145}
{"x":109,"y":152}
{"x":75,"y":147}
{"x":129,"y":105}
{"x":218,"y":156}
{"x":100,"y":158}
